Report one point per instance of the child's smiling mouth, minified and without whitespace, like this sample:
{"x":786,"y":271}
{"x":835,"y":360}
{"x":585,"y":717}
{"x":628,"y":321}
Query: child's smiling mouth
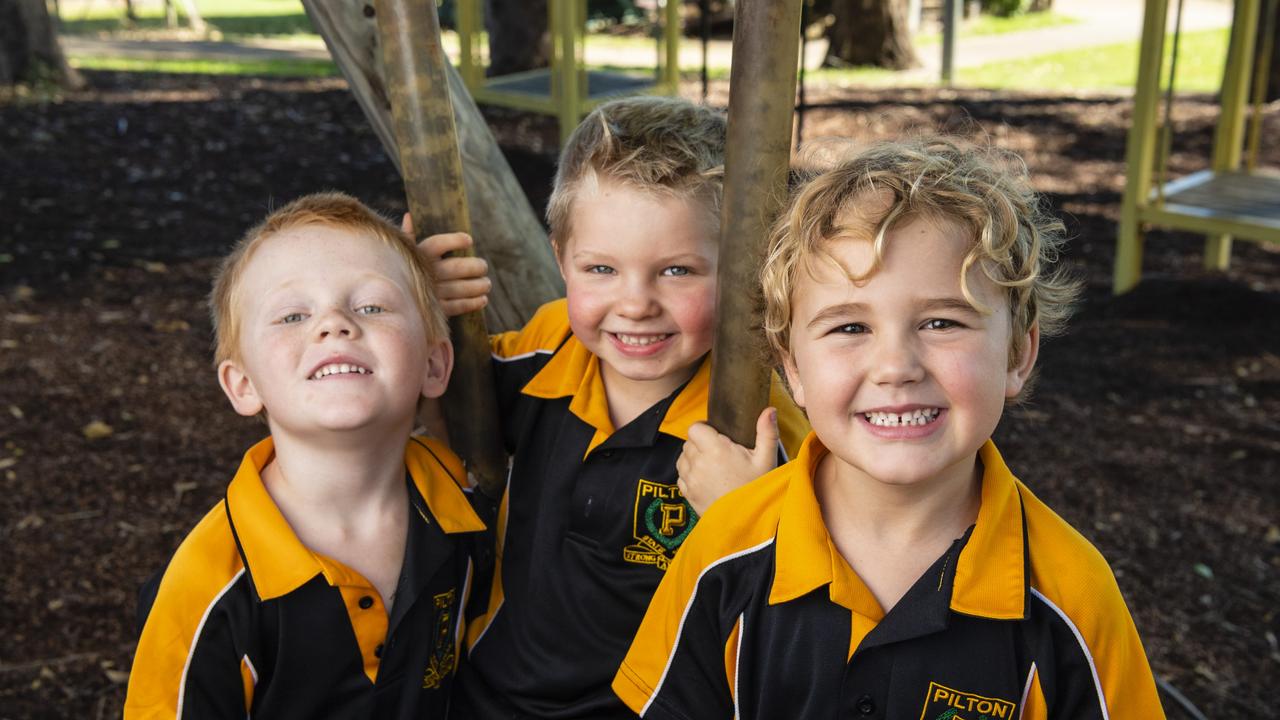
{"x":640,"y":340}
{"x":918,"y":417}
{"x":339,"y":369}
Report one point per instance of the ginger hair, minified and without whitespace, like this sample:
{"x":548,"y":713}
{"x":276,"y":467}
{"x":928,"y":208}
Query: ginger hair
{"x":332,"y":210}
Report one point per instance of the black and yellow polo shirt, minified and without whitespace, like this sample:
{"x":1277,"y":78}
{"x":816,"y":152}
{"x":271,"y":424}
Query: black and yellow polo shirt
{"x":248,"y":622}
{"x":589,"y":522}
{"x":761,"y":617}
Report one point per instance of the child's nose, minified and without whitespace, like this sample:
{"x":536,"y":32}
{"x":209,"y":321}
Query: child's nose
{"x":637,"y":301}
{"x":896,"y":361}
{"x":337,"y":323}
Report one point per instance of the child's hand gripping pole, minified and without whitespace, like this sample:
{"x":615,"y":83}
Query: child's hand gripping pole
{"x":712,"y":465}
{"x":762,"y":88}
{"x":422,"y":115}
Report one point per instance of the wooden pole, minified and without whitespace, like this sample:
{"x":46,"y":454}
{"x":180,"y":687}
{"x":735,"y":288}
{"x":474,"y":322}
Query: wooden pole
{"x":762,"y":90}
{"x":422,"y":116}
{"x":507,"y":231}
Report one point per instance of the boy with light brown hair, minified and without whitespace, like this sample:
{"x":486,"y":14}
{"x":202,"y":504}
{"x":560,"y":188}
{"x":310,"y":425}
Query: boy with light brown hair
{"x":331,"y":579}
{"x":598,"y":392}
{"x":896,"y":568}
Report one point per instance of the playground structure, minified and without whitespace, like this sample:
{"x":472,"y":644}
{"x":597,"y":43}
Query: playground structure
{"x":1234,"y":197}
{"x":566,"y":89}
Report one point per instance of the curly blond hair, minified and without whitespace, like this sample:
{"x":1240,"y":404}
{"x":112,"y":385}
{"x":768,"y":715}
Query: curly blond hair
{"x":661,"y":145}
{"x":983,"y":191}
{"x":332,"y":210}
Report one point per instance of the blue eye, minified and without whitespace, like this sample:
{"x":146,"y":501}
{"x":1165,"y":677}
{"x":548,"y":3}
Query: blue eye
{"x":852,"y":329}
{"x":676,"y":271}
{"x":370,"y":310}
{"x":940,"y":324}
{"x":599,"y":269}
{"x":293,"y":318}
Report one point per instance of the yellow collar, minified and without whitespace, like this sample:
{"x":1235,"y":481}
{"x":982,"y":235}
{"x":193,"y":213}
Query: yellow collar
{"x":574,"y":371}
{"x":990,"y":577}
{"x":277,"y":560}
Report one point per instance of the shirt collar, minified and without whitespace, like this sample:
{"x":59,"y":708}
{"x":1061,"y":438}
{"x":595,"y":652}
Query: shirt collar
{"x":276,"y":559}
{"x":806,"y":557}
{"x":574,"y":372}
{"x":990,"y":576}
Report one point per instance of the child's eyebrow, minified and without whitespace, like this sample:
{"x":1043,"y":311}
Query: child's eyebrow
{"x":833,"y":312}
{"x":948,"y":303}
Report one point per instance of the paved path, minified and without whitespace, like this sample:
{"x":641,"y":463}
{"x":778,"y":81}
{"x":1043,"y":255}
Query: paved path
{"x":1102,"y":22}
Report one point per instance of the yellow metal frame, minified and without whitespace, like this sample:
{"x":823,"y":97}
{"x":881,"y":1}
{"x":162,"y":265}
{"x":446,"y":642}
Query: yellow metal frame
{"x":569,"y":83}
{"x":1143,"y":204}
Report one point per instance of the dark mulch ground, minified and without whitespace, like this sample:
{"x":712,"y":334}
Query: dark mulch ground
{"x":1155,"y":431}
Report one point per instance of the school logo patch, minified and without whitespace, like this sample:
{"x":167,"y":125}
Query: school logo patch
{"x":441,"y":662}
{"x":943,"y":703}
{"x":663,"y":519}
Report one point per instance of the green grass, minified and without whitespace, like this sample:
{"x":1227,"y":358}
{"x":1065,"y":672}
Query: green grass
{"x":992,"y":25}
{"x":1201,"y":57}
{"x":287,"y":68}
{"x":233,"y":18}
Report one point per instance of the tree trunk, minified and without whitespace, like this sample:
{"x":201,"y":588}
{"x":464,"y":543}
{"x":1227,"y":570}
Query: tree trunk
{"x":1040,"y":6}
{"x":506,"y":229}
{"x":29,"y":47}
{"x":870,"y":32}
{"x":518,"y":36}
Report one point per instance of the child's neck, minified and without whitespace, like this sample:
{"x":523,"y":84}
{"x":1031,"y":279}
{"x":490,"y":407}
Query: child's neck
{"x":337,"y":475}
{"x":345,"y":498}
{"x":628,"y":398}
{"x":890,"y":534}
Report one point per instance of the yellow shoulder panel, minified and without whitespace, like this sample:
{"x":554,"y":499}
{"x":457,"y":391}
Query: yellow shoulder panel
{"x":1069,"y":573}
{"x":742,"y":520}
{"x":203,"y":567}
{"x":545,"y":331}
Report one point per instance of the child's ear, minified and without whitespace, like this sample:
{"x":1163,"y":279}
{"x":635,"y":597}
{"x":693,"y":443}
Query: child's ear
{"x":239,"y":389}
{"x":437,"y":368}
{"x":1020,"y":371}
{"x":555,"y":251}
{"x":793,"y":379}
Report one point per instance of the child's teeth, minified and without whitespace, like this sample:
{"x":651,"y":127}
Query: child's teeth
{"x":640,"y":340}
{"x":337,"y":369}
{"x":914,"y":417}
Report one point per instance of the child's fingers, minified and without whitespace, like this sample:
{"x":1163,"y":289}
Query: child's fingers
{"x":437,"y":245}
{"x":766,"y":434}
{"x":461,"y":268}
{"x":454,"y":308}
{"x":463,"y":289}
{"x":683,"y":463}
{"x":701,"y":435}
{"x":406,"y":224}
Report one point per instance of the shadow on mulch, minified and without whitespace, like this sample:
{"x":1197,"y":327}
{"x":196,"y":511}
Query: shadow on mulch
{"x":1154,"y":428}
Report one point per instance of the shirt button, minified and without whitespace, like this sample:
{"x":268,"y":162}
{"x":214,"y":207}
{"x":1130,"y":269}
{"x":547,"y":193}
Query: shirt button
{"x":377,"y":652}
{"x":366,"y":602}
{"x":866,"y":705}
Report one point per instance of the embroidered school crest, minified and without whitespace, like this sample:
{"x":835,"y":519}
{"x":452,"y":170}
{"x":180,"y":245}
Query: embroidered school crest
{"x":441,"y":662}
{"x":943,"y":703}
{"x":663,"y":519}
